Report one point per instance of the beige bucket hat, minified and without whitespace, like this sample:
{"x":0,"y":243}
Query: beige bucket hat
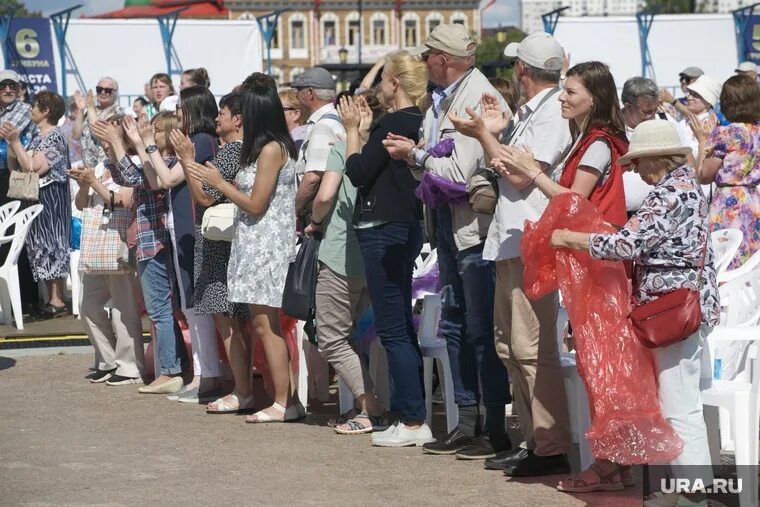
{"x":654,"y":138}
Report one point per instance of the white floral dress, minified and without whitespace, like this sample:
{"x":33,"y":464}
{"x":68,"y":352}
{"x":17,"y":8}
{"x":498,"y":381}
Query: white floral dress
{"x":263,"y":248}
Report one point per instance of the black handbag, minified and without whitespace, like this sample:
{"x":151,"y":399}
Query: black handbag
{"x":298,"y":298}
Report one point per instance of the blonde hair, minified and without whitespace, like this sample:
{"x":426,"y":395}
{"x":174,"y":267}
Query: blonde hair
{"x":165,"y":122}
{"x":411,"y":72}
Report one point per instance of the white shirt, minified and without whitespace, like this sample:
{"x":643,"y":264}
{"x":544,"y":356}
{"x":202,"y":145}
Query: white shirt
{"x":547,"y":134}
{"x":319,"y":140}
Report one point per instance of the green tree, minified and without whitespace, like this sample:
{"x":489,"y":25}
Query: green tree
{"x":491,"y":51}
{"x":670,"y":6}
{"x":18,"y":9}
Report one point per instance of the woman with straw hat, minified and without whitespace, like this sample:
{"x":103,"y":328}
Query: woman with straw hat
{"x":668,"y":238}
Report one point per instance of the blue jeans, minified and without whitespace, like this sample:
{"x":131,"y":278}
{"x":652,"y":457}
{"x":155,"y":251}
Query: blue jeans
{"x":156,"y":279}
{"x":389,"y":252}
{"x":467,"y":292}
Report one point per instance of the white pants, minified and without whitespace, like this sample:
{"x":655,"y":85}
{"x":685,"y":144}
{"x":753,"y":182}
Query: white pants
{"x":206,"y":361}
{"x":678,"y":369}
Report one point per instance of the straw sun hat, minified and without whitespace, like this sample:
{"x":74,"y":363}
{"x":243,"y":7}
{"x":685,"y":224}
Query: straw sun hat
{"x":654,"y":138}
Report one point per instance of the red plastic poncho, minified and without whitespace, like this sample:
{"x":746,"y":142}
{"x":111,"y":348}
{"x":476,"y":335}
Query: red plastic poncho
{"x":627,"y":426}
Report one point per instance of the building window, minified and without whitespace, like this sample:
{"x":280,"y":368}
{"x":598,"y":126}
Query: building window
{"x":329,"y":29}
{"x":379,"y":29}
{"x":297,"y":34}
{"x":459,"y":18}
{"x":433,"y":19}
{"x":411,"y":30}
{"x":354,"y":32}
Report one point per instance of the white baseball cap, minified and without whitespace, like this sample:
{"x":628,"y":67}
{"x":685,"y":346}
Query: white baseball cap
{"x":707,"y":88}
{"x":747,"y":67}
{"x":169,"y":104}
{"x":538,"y":49}
{"x":9,"y":75}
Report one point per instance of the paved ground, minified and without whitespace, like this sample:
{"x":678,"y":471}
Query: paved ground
{"x":66,"y":442}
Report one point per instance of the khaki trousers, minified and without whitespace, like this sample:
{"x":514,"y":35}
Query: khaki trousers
{"x":118,"y":341}
{"x":340,"y":301}
{"x":526,"y":341}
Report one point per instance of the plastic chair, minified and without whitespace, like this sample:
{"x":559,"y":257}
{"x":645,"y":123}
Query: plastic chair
{"x":751,"y":263}
{"x":725,"y":243}
{"x":434,"y":349}
{"x":75,"y":279}
{"x":7,"y":210}
{"x":310,"y":360}
{"x":742,"y":401}
{"x":378,"y":371}
{"x":578,"y":409}
{"x":11,"y":293}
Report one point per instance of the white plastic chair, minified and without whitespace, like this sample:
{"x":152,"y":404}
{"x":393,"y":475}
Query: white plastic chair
{"x":725,"y":243}
{"x":75,"y":279}
{"x":742,"y":401}
{"x":7,"y":210}
{"x":434,"y":349}
{"x":11,"y":292}
{"x":751,"y":263}
{"x":378,"y":371}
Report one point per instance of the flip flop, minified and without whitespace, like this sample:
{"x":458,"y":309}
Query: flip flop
{"x":222,"y":406}
{"x":592,"y":479}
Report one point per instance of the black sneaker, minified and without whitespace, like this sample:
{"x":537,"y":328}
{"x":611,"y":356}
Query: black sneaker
{"x":480,"y":449}
{"x":506,"y":459}
{"x":101,"y":376}
{"x":535,"y":466}
{"x":453,"y":442}
{"x":118,"y":380}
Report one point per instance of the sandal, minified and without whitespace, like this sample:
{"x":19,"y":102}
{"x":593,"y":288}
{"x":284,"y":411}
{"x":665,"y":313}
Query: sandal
{"x":224,"y":405}
{"x":355,"y":427}
{"x":263,"y":417}
{"x":343,"y":418}
{"x":593,"y":478}
{"x":52,"y":311}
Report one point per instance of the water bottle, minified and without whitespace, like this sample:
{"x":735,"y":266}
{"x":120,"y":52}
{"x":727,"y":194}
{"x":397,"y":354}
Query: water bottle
{"x":716,"y":368}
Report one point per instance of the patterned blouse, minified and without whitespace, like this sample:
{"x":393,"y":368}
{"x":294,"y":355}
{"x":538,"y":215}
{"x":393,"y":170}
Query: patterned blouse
{"x":56,"y":151}
{"x":667,"y":238}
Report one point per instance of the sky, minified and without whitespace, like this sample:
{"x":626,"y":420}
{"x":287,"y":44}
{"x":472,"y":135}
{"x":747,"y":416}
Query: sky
{"x":504,"y":12}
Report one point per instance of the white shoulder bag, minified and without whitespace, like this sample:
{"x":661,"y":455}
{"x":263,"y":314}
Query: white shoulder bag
{"x":218,"y":222}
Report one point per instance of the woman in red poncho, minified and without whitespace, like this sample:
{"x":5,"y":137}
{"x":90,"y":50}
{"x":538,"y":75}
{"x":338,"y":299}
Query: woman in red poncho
{"x":589,"y":166}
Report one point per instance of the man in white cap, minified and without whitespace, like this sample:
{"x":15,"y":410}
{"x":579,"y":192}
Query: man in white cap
{"x":525,"y":329}
{"x":467,"y":279}
{"x":18,"y":114}
{"x":748,"y":69}
{"x":316,"y":93}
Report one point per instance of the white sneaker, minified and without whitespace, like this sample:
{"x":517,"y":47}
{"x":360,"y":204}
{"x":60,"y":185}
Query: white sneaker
{"x":399,"y":435}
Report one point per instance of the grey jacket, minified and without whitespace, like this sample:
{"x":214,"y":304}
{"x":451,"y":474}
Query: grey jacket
{"x":470,"y":228}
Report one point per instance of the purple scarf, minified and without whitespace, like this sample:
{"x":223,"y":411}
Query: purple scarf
{"x":434,"y":190}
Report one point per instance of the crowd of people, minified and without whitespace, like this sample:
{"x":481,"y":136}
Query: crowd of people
{"x":372,"y":174}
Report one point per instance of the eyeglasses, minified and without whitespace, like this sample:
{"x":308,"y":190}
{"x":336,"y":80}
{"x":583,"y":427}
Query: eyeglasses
{"x":102,"y":89}
{"x":684,"y":79}
{"x":9,"y":85}
{"x":290,"y":109}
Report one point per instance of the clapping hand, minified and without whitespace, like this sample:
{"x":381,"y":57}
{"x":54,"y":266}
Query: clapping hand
{"x":145,"y":129}
{"x":90,"y":102}
{"x":105,"y":132}
{"x":183,"y":146}
{"x":519,"y":160}
{"x":398,"y":146}
{"x":208,"y":174}
{"x":365,"y":114}
{"x":79,"y":100}
{"x":130,"y":127}
{"x":82,"y":175}
{"x":350,"y":113}
{"x":9,"y":132}
{"x":702,"y":129}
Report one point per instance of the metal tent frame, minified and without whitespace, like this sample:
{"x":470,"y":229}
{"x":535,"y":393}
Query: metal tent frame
{"x":167,"y":23}
{"x":267,"y":27}
{"x":644,"y":20}
{"x":68,"y":63}
{"x":551,"y":19}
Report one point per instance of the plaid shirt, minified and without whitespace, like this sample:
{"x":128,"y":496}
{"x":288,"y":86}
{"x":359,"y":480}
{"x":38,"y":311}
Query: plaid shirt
{"x":18,"y":114}
{"x":321,"y":134}
{"x":152,"y":207}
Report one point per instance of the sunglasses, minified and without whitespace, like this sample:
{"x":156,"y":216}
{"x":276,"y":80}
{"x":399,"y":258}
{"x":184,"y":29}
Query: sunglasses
{"x":9,"y":85}
{"x":102,"y":89}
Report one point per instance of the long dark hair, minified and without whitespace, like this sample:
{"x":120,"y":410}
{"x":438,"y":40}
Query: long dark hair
{"x":263,"y":121}
{"x":605,"y":113}
{"x":199,"y":110}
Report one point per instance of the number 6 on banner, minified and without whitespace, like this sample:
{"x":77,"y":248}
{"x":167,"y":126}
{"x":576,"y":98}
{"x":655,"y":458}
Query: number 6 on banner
{"x":26,"y":43}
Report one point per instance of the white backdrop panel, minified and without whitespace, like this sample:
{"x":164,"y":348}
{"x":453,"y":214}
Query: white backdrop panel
{"x":675,"y":42}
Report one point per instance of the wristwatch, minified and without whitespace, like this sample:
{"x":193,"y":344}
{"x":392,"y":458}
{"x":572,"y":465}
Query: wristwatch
{"x":151,"y":148}
{"x":410,"y":159}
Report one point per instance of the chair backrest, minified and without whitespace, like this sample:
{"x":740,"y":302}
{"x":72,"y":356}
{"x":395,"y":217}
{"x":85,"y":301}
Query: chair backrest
{"x":423,"y":267}
{"x":750,"y":264}
{"x":429,"y":318}
{"x":6,"y":211}
{"x":21,"y":222}
{"x":726,"y":243}
{"x":740,"y":300}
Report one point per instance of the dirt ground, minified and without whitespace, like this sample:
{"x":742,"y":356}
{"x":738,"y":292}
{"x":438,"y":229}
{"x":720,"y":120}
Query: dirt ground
{"x":67,"y":442}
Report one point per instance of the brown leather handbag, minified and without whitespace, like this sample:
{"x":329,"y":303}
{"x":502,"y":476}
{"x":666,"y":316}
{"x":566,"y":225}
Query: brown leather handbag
{"x":670,"y":318}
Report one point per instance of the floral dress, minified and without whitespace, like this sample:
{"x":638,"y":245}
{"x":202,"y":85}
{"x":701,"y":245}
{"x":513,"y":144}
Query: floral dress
{"x":263,"y":248}
{"x":47,"y":243}
{"x":668,"y":237}
{"x":736,"y":199}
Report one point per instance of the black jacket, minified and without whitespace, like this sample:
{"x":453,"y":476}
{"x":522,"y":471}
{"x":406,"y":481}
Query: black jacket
{"x":386,"y":186}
